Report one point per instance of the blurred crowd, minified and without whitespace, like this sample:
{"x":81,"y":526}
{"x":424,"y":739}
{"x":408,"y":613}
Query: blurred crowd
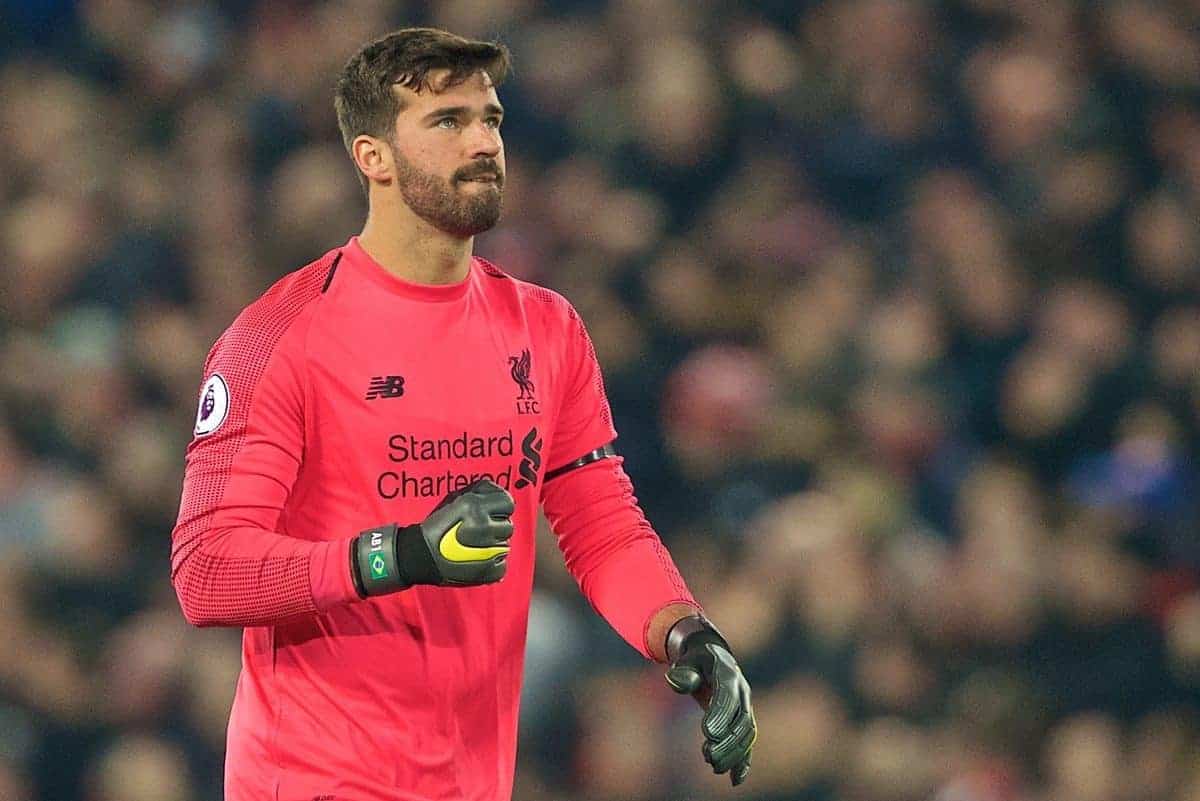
{"x":899,"y":309}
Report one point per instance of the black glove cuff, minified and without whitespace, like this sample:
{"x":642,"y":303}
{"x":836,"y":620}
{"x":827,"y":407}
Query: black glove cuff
{"x":415,"y":558}
{"x":355,"y":573}
{"x":376,"y":569}
{"x":690,"y":631}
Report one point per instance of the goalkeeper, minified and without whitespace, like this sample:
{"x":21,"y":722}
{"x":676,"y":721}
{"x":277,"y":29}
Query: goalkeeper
{"x":374,"y":437}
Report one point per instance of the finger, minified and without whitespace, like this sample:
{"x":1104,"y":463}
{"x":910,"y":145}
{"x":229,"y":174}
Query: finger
{"x":496,"y":570}
{"x":485,"y":534}
{"x":498,"y":501}
{"x":745,"y":708}
{"x":741,"y":710}
{"x":501,"y":529}
{"x":502,"y":506}
{"x":741,"y":737}
{"x":684,"y":679}
{"x":733,"y":748}
{"x":736,"y":753}
{"x":741,"y":770}
{"x":721,"y":710}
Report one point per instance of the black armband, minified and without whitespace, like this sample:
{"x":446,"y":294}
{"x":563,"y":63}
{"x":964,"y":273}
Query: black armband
{"x":603,"y":452}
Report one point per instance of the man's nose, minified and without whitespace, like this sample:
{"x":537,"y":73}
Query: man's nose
{"x":484,"y":141}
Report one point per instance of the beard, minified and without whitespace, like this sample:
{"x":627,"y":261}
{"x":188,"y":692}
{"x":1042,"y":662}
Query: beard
{"x":444,"y":205}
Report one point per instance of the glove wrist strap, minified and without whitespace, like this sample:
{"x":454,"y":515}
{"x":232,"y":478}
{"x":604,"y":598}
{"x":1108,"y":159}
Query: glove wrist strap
{"x":690,"y":630}
{"x":375,"y":568}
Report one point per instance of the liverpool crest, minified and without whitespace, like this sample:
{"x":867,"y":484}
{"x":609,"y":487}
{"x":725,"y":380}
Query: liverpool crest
{"x":520,"y":368}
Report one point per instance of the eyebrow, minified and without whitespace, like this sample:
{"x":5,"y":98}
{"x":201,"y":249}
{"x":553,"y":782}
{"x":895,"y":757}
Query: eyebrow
{"x":458,"y":111}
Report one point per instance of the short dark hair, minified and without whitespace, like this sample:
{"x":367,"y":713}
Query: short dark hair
{"x":364,"y":99}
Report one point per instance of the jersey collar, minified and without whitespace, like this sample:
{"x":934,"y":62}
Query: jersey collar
{"x":362,"y":263}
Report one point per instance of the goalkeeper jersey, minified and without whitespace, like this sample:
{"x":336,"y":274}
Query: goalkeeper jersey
{"x":344,"y":398}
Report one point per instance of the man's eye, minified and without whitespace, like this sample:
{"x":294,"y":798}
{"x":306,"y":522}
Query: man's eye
{"x":492,"y":122}
{"x":447,"y":123}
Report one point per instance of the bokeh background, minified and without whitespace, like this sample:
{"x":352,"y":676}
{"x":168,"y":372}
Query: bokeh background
{"x":899,"y":308}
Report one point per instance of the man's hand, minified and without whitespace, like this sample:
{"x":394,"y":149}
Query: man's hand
{"x":463,"y":542}
{"x":703,"y":666}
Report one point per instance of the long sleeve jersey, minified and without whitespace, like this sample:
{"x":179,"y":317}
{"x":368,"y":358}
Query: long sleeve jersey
{"x":344,"y":398}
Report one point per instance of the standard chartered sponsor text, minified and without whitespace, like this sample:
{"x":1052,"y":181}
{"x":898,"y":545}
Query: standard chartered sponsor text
{"x":429,"y":481}
{"x":407,"y":447}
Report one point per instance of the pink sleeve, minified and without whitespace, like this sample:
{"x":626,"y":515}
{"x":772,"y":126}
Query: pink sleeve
{"x":230,"y":563}
{"x":617,"y":559}
{"x":610,"y":549}
{"x":584,"y":421}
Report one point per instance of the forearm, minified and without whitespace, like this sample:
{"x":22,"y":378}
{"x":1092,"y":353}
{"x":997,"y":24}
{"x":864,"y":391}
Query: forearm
{"x":248,"y":576}
{"x":615,"y":556}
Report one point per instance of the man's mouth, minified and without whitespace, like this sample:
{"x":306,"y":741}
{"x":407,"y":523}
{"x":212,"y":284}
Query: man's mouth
{"x":483,"y":174}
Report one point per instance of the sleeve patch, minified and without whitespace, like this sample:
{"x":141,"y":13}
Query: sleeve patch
{"x":214,"y":405}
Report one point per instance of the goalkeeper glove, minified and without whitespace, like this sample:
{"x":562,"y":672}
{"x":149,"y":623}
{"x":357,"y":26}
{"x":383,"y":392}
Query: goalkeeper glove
{"x":702,"y":665}
{"x":463,"y":542}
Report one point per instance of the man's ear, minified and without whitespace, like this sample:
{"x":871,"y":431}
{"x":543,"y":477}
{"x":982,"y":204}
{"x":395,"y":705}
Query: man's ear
{"x":373,"y":157}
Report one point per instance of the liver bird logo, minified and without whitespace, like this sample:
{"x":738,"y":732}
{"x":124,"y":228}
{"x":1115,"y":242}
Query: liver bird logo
{"x":520,"y":366}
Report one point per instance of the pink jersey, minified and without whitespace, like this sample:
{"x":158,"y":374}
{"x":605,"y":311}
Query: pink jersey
{"x":343,"y":398}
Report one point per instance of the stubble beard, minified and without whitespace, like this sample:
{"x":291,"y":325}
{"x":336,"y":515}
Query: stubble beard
{"x":440,"y":203}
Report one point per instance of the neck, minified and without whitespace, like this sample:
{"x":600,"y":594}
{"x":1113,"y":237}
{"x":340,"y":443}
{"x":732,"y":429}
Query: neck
{"x":410,"y":248}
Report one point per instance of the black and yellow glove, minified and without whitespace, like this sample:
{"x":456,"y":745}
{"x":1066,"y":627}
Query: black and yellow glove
{"x":463,"y":542}
{"x":702,"y":665}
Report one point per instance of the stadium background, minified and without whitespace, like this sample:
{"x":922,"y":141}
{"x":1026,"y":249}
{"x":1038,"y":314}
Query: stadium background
{"x":898,"y":305}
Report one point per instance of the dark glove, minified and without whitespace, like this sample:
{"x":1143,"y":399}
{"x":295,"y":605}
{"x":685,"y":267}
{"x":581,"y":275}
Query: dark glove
{"x":463,"y":542}
{"x":703,"y":666}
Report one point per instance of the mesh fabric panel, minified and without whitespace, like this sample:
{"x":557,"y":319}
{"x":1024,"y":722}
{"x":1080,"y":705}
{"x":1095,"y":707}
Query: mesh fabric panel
{"x":227,"y":589}
{"x":605,"y":412}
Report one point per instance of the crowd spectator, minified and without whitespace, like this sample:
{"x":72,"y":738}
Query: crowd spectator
{"x":899,"y":308}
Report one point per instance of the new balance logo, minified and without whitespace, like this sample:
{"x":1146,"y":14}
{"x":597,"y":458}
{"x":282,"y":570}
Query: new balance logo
{"x":531,"y":450}
{"x":385,"y":386}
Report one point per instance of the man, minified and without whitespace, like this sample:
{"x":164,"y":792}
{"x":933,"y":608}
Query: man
{"x":399,"y":378}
